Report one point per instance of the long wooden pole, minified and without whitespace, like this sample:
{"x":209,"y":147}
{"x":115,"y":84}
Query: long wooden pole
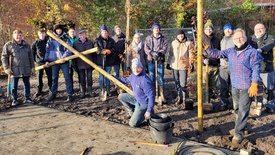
{"x":68,"y":58}
{"x":88,"y":61}
{"x":127,"y":10}
{"x":199,"y":78}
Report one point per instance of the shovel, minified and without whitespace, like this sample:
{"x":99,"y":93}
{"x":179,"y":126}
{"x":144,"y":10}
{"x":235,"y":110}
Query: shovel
{"x":9,"y":79}
{"x":103,"y":93}
{"x":157,"y":98}
{"x":207,"y":107}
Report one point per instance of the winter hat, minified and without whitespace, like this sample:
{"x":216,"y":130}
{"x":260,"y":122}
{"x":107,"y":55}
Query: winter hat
{"x":180,"y":31}
{"x":228,"y":26}
{"x":155,"y":24}
{"x":117,"y":26}
{"x":208,"y":24}
{"x":103,"y":27}
{"x":81,"y":31}
{"x":136,"y":63}
{"x":17,"y":32}
{"x":57,"y":26}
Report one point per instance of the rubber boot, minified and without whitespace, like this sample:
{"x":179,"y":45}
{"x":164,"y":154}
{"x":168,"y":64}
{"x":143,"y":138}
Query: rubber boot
{"x":90,"y":90}
{"x":83,"y":90}
{"x":161,"y":94}
{"x":108,"y":90}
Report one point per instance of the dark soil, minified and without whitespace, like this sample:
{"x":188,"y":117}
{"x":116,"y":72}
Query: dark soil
{"x":260,"y":139}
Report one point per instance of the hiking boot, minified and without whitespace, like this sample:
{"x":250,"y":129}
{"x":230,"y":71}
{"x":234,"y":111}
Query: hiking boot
{"x":14,"y":102}
{"x":90,"y":90}
{"x":70,"y":98}
{"x":53,"y":96}
{"x":28,"y":100}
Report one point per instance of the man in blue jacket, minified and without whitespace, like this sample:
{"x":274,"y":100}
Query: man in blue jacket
{"x":56,"y":51}
{"x":141,"y":104}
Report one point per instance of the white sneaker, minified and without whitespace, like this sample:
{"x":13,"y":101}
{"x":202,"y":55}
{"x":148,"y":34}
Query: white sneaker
{"x":28,"y":100}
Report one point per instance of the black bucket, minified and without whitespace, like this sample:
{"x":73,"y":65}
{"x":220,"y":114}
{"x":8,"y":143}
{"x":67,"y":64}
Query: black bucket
{"x":162,"y":137}
{"x":159,"y":118}
{"x":161,"y":125}
{"x":189,"y":104}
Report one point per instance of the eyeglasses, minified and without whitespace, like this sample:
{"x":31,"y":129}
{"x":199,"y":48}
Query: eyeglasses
{"x":241,"y":38}
{"x":258,"y":29}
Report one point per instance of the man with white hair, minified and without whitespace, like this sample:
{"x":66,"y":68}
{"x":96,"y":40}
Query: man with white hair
{"x":141,"y":103}
{"x":265,"y":44}
{"x":245,"y":67}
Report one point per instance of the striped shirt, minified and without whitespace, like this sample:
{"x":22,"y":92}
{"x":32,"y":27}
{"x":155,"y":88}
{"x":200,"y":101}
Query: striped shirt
{"x":245,"y":67}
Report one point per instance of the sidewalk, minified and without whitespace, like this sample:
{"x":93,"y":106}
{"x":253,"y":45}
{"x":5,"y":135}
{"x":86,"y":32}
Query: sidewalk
{"x":32,"y":129}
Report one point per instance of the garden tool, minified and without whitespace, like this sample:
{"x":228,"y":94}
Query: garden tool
{"x":207,"y":107}
{"x":103,"y":93}
{"x":9,"y":79}
{"x":157,"y":98}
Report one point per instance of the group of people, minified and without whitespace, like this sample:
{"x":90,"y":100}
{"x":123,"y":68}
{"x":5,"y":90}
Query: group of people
{"x":240,"y":63}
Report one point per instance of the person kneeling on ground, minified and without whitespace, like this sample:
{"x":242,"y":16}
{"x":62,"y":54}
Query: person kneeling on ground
{"x":141,"y":104}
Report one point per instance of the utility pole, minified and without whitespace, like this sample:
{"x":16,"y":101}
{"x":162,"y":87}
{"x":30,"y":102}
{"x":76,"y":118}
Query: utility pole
{"x":199,"y":63}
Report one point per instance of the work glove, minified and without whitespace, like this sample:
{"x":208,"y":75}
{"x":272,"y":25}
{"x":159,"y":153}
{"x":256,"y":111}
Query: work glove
{"x":147,"y":115}
{"x":8,"y":71}
{"x":206,"y":61}
{"x":253,"y":90}
{"x":205,"y":47}
{"x":168,"y":67}
{"x":106,"y":52}
{"x":154,"y":55}
{"x":33,"y":71}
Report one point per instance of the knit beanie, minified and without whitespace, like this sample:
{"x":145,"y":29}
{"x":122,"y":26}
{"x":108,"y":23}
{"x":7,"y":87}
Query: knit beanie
{"x":57,"y":26}
{"x":17,"y":32}
{"x":103,"y":27}
{"x":228,"y":26}
{"x":136,"y":63}
{"x":155,"y":24}
{"x":208,"y":24}
{"x":180,"y":31}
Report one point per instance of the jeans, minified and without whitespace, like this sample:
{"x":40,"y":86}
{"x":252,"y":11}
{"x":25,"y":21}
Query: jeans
{"x":225,"y":84}
{"x":14,"y":86}
{"x":82,"y":77}
{"x":180,"y":78}
{"x":72,"y":69}
{"x":116,"y":70}
{"x":107,"y":81}
{"x":152,"y":73}
{"x":39,"y":73}
{"x":65,"y":70}
{"x":131,"y":104}
{"x":241,"y":105}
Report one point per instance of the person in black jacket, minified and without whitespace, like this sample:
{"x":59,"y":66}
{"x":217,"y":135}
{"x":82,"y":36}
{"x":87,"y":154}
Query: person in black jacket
{"x":39,"y":49}
{"x":264,"y":43}
{"x":213,"y":42}
{"x":119,"y":39}
{"x":106,"y":47}
{"x":84,"y":69}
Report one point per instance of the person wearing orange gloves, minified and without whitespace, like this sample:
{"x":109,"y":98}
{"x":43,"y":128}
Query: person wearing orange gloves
{"x":245,"y":67}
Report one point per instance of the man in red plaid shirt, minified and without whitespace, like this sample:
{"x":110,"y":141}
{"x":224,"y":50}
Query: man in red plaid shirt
{"x":245,"y":67}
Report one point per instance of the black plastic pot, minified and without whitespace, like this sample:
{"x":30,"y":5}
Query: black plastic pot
{"x":161,"y":126}
{"x":159,"y":118}
{"x":162,"y":137}
{"x":189,"y":105}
